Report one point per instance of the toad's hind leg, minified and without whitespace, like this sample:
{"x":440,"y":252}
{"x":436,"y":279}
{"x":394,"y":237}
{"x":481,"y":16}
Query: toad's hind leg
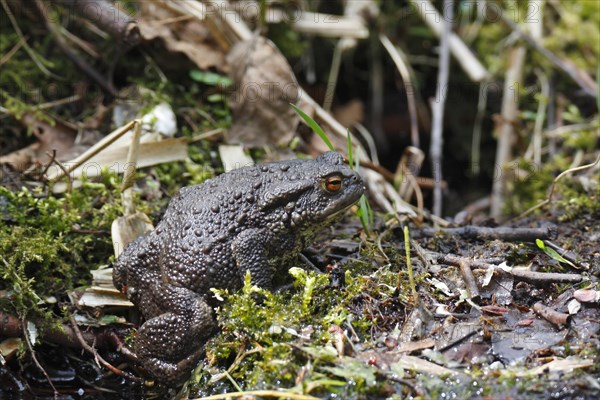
{"x":170,"y":344}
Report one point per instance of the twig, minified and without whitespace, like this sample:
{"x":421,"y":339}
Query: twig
{"x":536,"y":143}
{"x":332,"y":80}
{"x":551,"y":191}
{"x":129,"y":174}
{"x":389,"y":176}
{"x":543,"y":278}
{"x":567,"y":129}
{"x":369,"y":141}
{"x":460,"y":339}
{"x":97,"y":356}
{"x":465,"y":57}
{"x":312,"y":23}
{"x":95,"y":149}
{"x":259,"y":393}
{"x":59,"y":102}
{"x":72,"y":55}
{"x":82,"y":44}
{"x":398,"y":59}
{"x":557,"y":318}
{"x":534,"y":277}
{"x":504,"y":233}
{"x":376,"y":89}
{"x":465,"y":269}
{"x":418,"y":194}
{"x":12,"y":51}
{"x":108,"y":16}
{"x":477,"y":124}
{"x":437,"y":106}
{"x":62,"y":168}
{"x":423,"y":254}
{"x":52,"y":158}
{"x":35,"y":360}
{"x":409,"y":166}
{"x":32,"y":54}
{"x":512,"y":83}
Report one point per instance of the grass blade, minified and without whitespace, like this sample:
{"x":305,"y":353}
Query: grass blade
{"x":314,"y":126}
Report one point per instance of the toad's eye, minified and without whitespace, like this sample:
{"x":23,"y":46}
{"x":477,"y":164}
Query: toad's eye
{"x":332,"y":184}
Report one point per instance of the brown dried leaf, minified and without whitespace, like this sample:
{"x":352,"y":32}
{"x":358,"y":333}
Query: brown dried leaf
{"x":20,"y":160}
{"x":59,"y":136}
{"x":265,"y":85}
{"x":188,"y":36}
{"x":493,"y":309}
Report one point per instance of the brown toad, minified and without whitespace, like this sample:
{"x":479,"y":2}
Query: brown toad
{"x":250,"y":219}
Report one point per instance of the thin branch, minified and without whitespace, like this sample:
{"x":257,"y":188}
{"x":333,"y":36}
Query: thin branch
{"x":109,"y":17}
{"x":369,"y":141}
{"x":510,"y":104}
{"x":477,"y":124}
{"x":551,"y":191}
{"x":465,"y":270}
{"x":95,"y":149}
{"x":567,"y":129}
{"x":12,"y":51}
{"x":277,"y":394}
{"x":62,"y":168}
{"x":533,"y":277}
{"x":35,"y":360}
{"x":97,"y":356}
{"x":540,"y":117}
{"x":72,"y":54}
{"x":461,"y":52}
{"x":131,"y":167}
{"x":435,"y":149}
{"x":503,"y":233}
{"x":398,"y":59}
{"x":333,"y":76}
{"x":37,"y":60}
{"x":557,"y":318}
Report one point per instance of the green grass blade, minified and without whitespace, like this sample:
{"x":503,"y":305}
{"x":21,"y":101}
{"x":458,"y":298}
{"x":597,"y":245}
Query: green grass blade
{"x":314,"y":126}
{"x":350,"y":156}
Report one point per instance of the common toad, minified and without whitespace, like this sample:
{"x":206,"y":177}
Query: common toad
{"x":250,"y":219}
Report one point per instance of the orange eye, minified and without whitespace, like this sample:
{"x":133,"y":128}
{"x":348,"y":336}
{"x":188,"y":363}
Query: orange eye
{"x":332,"y":183}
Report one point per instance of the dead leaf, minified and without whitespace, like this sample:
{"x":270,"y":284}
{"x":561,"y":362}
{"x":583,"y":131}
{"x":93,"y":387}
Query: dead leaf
{"x":265,"y":85}
{"x":525,"y":322}
{"x":493,"y":309}
{"x":234,"y":157}
{"x":20,"y":160}
{"x":57,"y":135}
{"x":558,"y":365}
{"x":181,"y":35}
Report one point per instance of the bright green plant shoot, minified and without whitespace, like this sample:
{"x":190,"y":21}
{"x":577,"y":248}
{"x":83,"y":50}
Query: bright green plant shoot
{"x":552,"y":253}
{"x":314,"y":126}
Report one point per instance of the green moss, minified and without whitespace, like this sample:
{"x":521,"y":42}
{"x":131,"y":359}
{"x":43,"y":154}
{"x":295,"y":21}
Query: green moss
{"x":577,"y":201}
{"x":49,"y":244}
{"x":271,"y":329}
{"x":273,"y":336}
